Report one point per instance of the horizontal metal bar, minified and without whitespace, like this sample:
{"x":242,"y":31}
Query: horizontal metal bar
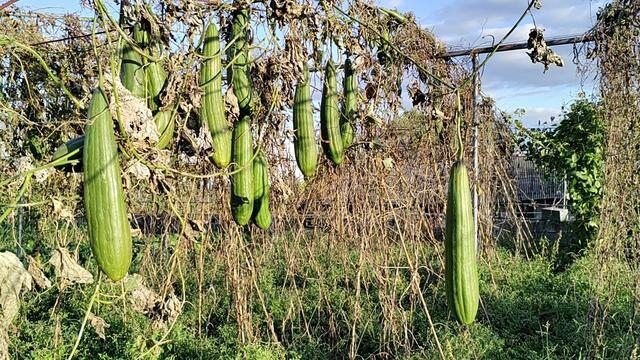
{"x":588,"y":37}
{"x":7,"y":4}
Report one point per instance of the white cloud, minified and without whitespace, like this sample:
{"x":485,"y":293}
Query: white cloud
{"x":515,"y":69}
{"x":541,"y":117}
{"x":510,"y":77}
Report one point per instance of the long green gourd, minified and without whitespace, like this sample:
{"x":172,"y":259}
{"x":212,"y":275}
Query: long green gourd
{"x":68,"y":147}
{"x":142,"y":34}
{"x":304,"y":144}
{"x":165,"y":124}
{"x":156,"y":79}
{"x":146,"y":79}
{"x":261,"y":213}
{"x":460,"y":258}
{"x":109,"y":231}
{"x":132,"y":74}
{"x":350,"y":89}
{"x":163,"y":118}
{"x":242,"y":191}
{"x":330,"y":117}
{"x":212,"y":110}
{"x":238,"y":58}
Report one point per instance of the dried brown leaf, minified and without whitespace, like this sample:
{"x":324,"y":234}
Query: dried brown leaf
{"x":138,"y":170}
{"x":231,"y":104}
{"x":142,"y":299}
{"x":136,"y":116}
{"x":61,"y":211}
{"x":13,"y":279}
{"x":67,"y":269}
{"x":4,"y":343}
{"x":98,"y":324}
{"x":36,"y":273}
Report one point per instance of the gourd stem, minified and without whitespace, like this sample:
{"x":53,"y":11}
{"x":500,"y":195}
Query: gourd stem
{"x":95,"y":53}
{"x":459,"y":126}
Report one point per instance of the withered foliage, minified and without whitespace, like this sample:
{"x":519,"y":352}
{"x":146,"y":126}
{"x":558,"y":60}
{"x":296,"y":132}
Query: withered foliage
{"x":389,"y":194}
{"x":617,"y":35}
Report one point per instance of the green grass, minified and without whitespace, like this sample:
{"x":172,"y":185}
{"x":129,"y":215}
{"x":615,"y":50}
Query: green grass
{"x":528,"y":311}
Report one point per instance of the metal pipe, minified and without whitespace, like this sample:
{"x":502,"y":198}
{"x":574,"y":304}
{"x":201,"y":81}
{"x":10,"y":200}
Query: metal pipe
{"x":7,"y":4}
{"x":587,"y":37}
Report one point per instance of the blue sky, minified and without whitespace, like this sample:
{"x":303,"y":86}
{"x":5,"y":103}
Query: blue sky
{"x":510,"y":78}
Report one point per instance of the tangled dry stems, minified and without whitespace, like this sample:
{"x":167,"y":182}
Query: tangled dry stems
{"x":379,"y":216}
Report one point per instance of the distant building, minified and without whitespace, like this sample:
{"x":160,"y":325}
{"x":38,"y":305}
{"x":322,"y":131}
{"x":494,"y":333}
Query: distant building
{"x":532,"y":184}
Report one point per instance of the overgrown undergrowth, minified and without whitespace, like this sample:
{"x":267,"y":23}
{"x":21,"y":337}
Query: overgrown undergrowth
{"x":527,"y":312}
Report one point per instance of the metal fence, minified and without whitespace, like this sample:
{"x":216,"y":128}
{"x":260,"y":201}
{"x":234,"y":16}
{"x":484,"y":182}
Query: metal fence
{"x":533,"y":185}
{"x":536,"y":191}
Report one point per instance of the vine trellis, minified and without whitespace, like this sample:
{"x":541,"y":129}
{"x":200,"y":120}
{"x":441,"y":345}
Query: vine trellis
{"x":378,"y":214}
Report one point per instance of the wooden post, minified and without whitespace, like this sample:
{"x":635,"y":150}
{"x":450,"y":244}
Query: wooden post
{"x":474,"y":142}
